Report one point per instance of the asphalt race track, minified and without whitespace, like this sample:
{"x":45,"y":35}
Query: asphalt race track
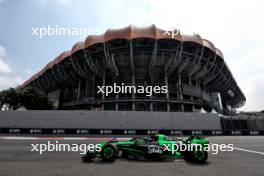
{"x":16,"y":159}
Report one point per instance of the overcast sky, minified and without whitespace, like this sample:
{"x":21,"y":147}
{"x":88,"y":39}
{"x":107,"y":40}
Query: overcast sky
{"x":235,"y":27}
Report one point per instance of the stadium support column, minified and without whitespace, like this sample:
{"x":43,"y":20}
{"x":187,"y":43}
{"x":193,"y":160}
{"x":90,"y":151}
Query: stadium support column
{"x":151,"y":97}
{"x":150,"y":68}
{"x":190,"y":83}
{"x":180,"y":92}
{"x":86,"y":87}
{"x":133,"y":74}
{"x":197,"y":84}
{"x":116,"y":104}
{"x":93,"y":87}
{"x":103,"y":95}
{"x":79,"y":90}
{"x":133,"y":93}
{"x":167,"y":94}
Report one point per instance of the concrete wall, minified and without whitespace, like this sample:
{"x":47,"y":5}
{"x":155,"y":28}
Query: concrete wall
{"x":110,"y":120}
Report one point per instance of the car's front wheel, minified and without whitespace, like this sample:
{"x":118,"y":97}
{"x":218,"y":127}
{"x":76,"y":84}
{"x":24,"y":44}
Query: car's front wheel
{"x":88,"y":156}
{"x":109,"y":152}
{"x":199,"y":156}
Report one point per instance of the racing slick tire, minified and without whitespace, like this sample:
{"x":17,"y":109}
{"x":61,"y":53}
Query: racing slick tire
{"x":109,"y":152}
{"x":88,"y":156}
{"x":199,"y":156}
{"x":124,"y":154}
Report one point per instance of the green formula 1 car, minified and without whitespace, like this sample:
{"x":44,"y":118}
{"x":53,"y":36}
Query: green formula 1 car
{"x":157,"y":147}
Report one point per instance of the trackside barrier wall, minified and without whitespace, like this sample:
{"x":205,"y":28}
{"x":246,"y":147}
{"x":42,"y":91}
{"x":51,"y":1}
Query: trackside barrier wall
{"x":110,"y":120}
{"x":124,"y":123}
{"x":242,"y":122}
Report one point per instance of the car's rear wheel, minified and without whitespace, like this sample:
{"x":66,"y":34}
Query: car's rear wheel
{"x":200,"y":156}
{"x":109,"y":152}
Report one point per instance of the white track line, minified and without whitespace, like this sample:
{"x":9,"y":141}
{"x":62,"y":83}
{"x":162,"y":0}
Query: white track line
{"x":90,"y":138}
{"x":19,"y":138}
{"x":250,"y":151}
{"x":246,"y":150}
{"x":57,"y":138}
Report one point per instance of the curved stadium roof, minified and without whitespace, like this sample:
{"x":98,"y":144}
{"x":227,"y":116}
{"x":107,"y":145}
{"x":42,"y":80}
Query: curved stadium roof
{"x":132,"y":32}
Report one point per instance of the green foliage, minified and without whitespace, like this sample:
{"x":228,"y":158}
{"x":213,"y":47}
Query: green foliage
{"x":30,"y":98}
{"x":9,"y":97}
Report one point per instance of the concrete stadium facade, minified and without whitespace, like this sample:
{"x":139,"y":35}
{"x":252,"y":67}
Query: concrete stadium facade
{"x":192,"y":68}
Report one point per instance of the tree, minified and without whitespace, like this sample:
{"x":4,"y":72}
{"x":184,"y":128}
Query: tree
{"x":30,"y":98}
{"x":10,"y":97}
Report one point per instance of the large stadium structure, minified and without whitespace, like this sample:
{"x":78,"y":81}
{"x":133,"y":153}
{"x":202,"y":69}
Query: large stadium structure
{"x":194,"y":70}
